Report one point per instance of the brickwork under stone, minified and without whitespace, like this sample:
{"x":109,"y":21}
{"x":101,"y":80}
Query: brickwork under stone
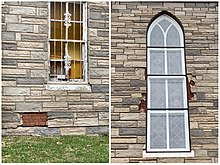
{"x":25,"y":71}
{"x":129,"y":24}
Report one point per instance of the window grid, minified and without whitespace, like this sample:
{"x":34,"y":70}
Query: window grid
{"x":166,"y":76}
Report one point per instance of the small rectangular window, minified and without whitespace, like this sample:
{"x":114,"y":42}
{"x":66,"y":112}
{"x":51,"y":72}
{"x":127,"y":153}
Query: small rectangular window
{"x":68,"y":42}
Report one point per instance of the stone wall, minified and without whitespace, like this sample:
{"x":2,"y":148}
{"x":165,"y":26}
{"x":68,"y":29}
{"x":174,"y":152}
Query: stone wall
{"x":25,"y":71}
{"x":129,"y":24}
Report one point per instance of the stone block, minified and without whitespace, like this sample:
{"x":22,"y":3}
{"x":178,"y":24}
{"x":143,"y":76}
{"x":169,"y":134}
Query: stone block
{"x":100,"y":88}
{"x":95,"y":15}
{"x":103,"y":115}
{"x":55,"y":104}
{"x":38,"y":73}
{"x":73,"y":131}
{"x":196,"y":132}
{"x":34,"y":4}
{"x":129,"y":153}
{"x":213,"y":153}
{"x":28,"y":107}
{"x":33,"y":37}
{"x":11,"y":18}
{"x":129,"y":116}
{"x":97,"y":130}
{"x":120,"y":160}
{"x":45,"y":131}
{"x":32,"y":81}
{"x":11,"y":54}
{"x":123,"y":140}
{"x":60,"y":122}
{"x":132,"y":131}
{"x":22,"y":10}
{"x":68,"y":98}
{"x":130,"y":101}
{"x":123,"y":124}
{"x":31,"y":45}
{"x":11,"y":117}
{"x":99,"y":72}
{"x":86,"y":122}
{"x":9,"y":46}
{"x":61,"y":114}
{"x":85,"y":108}
{"x":215,"y":132}
{"x":8,"y":36}
{"x":39,"y":55}
{"x":171,"y":160}
{"x":35,"y":21}
{"x":16,"y":91}
{"x":136,"y":64}
{"x":20,"y":28}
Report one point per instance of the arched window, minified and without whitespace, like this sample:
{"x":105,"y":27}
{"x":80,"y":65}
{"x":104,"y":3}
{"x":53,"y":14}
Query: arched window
{"x":167,"y":104}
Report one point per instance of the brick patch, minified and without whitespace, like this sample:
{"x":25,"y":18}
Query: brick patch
{"x":34,"y":119}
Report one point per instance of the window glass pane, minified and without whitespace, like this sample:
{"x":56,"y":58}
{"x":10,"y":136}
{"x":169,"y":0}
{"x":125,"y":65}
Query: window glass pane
{"x":57,"y":49}
{"x":175,"y":93}
{"x":157,"y":93}
{"x":57,"y":30}
{"x":75,"y":50}
{"x":158,"y":131}
{"x":174,"y":62}
{"x":76,"y":11}
{"x":157,"y":62}
{"x":156,"y":37}
{"x":173,"y":37}
{"x":177,"y":130}
{"x":76,"y":70}
{"x":57,"y":10}
{"x":164,"y":24}
{"x":75,"y":31}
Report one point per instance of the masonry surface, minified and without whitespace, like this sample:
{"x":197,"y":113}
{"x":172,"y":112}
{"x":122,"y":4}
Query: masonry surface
{"x":129,"y":24}
{"x":25,"y":71}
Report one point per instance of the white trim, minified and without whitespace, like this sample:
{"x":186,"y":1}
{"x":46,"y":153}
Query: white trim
{"x":179,"y":154}
{"x":73,"y":87}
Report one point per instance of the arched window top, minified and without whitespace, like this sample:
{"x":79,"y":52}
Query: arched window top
{"x":165,"y":32}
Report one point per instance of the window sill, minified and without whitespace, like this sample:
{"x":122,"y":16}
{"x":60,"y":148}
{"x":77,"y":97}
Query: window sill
{"x":179,"y":154}
{"x":72,"y":87}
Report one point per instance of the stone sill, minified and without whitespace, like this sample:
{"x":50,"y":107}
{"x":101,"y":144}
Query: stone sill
{"x":72,"y":87}
{"x":179,"y":154}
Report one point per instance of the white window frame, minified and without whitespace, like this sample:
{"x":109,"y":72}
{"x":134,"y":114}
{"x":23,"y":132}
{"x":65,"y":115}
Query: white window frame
{"x":182,"y":76}
{"x":81,"y":85}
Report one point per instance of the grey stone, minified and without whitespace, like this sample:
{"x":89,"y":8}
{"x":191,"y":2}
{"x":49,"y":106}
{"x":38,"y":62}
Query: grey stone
{"x":98,"y":72}
{"x":204,"y":141}
{"x":16,"y":91}
{"x":46,"y":131}
{"x":28,"y":107}
{"x":9,"y":46}
{"x":35,"y":4}
{"x":12,"y":3}
{"x":11,"y":18}
{"x":31,"y":81}
{"x":215,"y":103}
{"x":20,"y":28}
{"x":100,"y":88}
{"x":22,"y":10}
{"x":103,"y":33}
{"x":54,"y":115}
{"x":96,"y":25}
{"x":215,"y":132}
{"x":193,"y":52}
{"x":132,"y":131}
{"x":29,"y":37}
{"x":39,"y":55}
{"x":95,"y":15}
{"x":130,"y":101}
{"x":97,"y":130}
{"x":43,"y":29}
{"x":200,"y":96}
{"x":5,"y":10}
{"x":8,"y":36}
{"x":9,"y":62}
{"x":10,"y":117}
{"x":138,"y":83}
{"x":196,"y":133}
{"x":212,"y":153}
{"x":119,"y":146}
{"x":4,"y":27}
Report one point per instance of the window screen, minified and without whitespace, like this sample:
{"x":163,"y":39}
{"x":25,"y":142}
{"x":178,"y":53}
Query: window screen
{"x":167,"y":104}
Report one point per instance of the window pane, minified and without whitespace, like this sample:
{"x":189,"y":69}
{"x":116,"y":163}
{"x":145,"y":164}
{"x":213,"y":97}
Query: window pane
{"x":57,"y":10}
{"x":158,"y":131}
{"x":75,"y":31}
{"x":76,"y":70}
{"x":76,"y":11}
{"x":156,"y":37}
{"x":173,"y":37}
{"x":75,"y":50}
{"x":175,"y":93}
{"x":177,"y":130}
{"x":58,"y":30}
{"x":157,"y":62}
{"x":157,"y":93}
{"x":56,"y":50}
{"x":174,"y":62}
{"x":164,"y":24}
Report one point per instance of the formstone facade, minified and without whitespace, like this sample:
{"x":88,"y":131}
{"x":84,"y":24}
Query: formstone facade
{"x":28,"y":108}
{"x":129,"y":28}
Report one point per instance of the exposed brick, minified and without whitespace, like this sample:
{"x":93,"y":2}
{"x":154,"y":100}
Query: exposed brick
{"x":34,"y":119}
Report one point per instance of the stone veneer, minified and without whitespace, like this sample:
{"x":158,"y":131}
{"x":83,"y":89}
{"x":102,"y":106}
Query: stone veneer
{"x":129,"y":24}
{"x":25,"y":71}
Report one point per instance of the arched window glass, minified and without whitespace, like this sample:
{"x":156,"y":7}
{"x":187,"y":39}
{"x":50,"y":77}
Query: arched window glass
{"x":167,"y":104}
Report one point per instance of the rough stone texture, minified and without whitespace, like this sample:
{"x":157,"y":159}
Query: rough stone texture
{"x":25,"y":74}
{"x":128,"y":61}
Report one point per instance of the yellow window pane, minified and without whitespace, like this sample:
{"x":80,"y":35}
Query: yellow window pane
{"x":58,"y":30}
{"x":55,"y":50}
{"x":76,"y":10}
{"x":57,"y":10}
{"x":75,"y":31}
{"x":75,"y":50}
{"x":56,"y":68}
{"x":76,"y":70}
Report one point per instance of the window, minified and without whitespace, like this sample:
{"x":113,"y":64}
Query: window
{"x":67,"y":42}
{"x":167,"y":104}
